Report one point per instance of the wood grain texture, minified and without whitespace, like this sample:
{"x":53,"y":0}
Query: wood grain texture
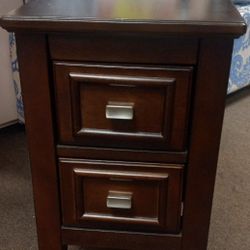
{"x":111,"y":40}
{"x":124,"y":48}
{"x":156,"y":191}
{"x":39,"y":124}
{"x":100,"y":153}
{"x":172,"y":16}
{"x":160,"y":97}
{"x":208,"y":111}
{"x":121,"y":240}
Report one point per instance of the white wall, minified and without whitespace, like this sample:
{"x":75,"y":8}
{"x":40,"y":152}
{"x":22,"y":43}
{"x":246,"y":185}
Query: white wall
{"x":8,"y":111}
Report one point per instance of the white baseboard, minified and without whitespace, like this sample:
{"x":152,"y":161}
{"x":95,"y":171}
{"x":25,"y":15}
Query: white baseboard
{"x":8,"y":123}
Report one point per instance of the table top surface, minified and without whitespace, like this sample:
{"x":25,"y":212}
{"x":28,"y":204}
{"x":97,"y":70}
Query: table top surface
{"x":174,"y":16}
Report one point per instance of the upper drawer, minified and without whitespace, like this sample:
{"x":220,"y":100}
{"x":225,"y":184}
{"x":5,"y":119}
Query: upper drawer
{"x":122,"y":106}
{"x":124,"y":48}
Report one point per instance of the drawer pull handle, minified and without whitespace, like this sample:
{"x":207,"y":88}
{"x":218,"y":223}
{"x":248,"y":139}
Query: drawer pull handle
{"x":120,"y":111}
{"x":120,"y":200}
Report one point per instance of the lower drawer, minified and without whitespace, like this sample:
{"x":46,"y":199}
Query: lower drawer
{"x":121,"y":195}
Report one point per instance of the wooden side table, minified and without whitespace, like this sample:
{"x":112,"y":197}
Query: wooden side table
{"x":124,"y":104}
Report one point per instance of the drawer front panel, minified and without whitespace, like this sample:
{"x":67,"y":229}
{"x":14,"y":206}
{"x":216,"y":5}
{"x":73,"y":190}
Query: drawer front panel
{"x":124,"y":48}
{"x":121,"y":195}
{"x":122,"y":106}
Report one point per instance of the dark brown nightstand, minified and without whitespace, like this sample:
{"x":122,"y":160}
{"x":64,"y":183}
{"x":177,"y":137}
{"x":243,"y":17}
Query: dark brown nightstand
{"x":124,"y":104}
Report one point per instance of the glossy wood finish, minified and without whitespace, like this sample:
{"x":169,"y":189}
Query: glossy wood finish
{"x":121,"y":240}
{"x":123,"y":48}
{"x":159,"y":96}
{"x":156,"y":192}
{"x":209,"y":103}
{"x":39,"y":126}
{"x":114,"y":41}
{"x":121,"y":154}
{"x":171,"y":16}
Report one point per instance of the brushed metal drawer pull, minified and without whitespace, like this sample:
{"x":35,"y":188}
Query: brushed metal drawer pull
{"x":120,"y":110}
{"x":120,"y":200}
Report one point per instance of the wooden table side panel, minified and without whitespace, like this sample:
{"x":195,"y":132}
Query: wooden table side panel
{"x":207,"y":118}
{"x":32,"y":54}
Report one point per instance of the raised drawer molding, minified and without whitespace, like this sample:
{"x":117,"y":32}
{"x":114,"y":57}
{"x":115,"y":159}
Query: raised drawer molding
{"x":146,"y":197}
{"x":157,"y":99}
{"x":124,"y":104}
